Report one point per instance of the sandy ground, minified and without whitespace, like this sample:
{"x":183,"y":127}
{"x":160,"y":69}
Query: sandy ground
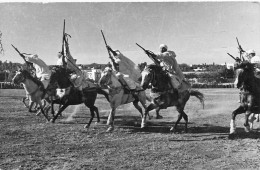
{"x":29,"y":142}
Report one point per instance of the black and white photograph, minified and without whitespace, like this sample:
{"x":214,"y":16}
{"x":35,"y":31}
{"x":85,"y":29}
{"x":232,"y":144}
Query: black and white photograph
{"x":111,"y":85}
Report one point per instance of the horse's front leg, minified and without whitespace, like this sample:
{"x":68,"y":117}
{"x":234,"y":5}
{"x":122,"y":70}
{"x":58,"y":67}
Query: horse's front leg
{"x":30,"y":107}
{"x":246,"y":124}
{"x":239,"y":110}
{"x":135,"y":103}
{"x":63,"y":107}
{"x":181,"y":114}
{"x":42,"y":110}
{"x":110,"y":120}
{"x":23,"y":100}
{"x":92,"y":109}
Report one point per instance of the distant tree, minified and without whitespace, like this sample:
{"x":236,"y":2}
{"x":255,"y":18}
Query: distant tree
{"x":185,"y":67}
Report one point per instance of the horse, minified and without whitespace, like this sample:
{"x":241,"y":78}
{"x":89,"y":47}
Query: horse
{"x":118,"y":96}
{"x":61,"y":85}
{"x":32,"y":87}
{"x":250,"y":94}
{"x":163,"y":96}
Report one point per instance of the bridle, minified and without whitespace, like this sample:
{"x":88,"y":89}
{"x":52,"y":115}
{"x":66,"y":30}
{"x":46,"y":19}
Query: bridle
{"x":21,"y":77}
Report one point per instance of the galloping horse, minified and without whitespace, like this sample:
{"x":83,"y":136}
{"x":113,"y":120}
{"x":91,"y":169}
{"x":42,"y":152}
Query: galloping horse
{"x":69,"y":95}
{"x":118,"y":96}
{"x":250,"y":94}
{"x":32,"y":88}
{"x":162,"y":94}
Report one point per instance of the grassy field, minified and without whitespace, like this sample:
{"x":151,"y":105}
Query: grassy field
{"x":27,"y":141}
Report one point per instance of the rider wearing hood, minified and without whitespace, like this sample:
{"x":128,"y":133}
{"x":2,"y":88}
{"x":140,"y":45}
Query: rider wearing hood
{"x":77,"y":76}
{"x":127,"y":72}
{"x":42,"y":70}
{"x":168,"y":62}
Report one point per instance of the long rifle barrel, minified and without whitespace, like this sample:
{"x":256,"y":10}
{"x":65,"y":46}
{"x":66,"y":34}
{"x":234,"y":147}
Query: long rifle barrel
{"x":63,"y":38}
{"x":21,"y":55}
{"x":231,"y":56}
{"x":140,"y":46}
{"x":106,"y":44}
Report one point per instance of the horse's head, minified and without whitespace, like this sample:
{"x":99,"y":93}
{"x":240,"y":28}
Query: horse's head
{"x":20,"y":76}
{"x":105,"y":78}
{"x":60,"y":77}
{"x":244,"y":73}
{"x":152,"y":74}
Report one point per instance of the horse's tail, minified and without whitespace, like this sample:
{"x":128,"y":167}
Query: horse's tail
{"x":199,"y":95}
{"x":103,"y":92}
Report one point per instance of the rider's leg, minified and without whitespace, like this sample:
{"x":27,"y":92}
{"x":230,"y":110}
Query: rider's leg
{"x":123,"y":82}
{"x":82,"y":93}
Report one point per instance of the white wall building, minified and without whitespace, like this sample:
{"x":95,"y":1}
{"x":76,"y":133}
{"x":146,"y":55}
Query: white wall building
{"x":93,"y":74}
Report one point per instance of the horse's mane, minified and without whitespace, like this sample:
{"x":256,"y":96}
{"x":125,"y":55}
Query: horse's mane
{"x":61,"y":75}
{"x":61,"y":71}
{"x":246,"y":66}
{"x":162,"y":75}
{"x":28,"y":75}
{"x":156,"y":68}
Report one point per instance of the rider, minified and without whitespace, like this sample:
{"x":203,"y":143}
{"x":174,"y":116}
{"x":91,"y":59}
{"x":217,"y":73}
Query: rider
{"x":42,"y":70}
{"x":127,"y":72}
{"x":61,"y":60}
{"x":169,"y":63}
{"x":77,"y":76}
{"x":252,"y":58}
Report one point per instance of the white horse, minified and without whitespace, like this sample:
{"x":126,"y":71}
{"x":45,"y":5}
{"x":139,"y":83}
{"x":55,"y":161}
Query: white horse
{"x":32,"y":88}
{"x":117,"y":96}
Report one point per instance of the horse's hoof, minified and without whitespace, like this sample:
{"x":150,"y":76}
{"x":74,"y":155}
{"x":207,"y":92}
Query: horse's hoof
{"x":232,"y":136}
{"x":52,"y":120}
{"x":98,"y":123}
{"x":247,"y":129}
{"x":110,"y":129}
{"x":38,"y":113}
{"x":143,"y":125}
{"x":172,"y":130}
{"x":86,"y":126}
{"x":159,"y":117}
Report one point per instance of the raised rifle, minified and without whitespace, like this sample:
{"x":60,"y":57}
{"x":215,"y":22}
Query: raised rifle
{"x":112,"y":59}
{"x":22,"y":55}
{"x":106,"y":45}
{"x":150,"y":54}
{"x":63,"y":39}
{"x":240,"y":50}
{"x":236,"y":59}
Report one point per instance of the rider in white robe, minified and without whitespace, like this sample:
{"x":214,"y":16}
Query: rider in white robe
{"x":168,"y":62}
{"x":128,"y":73}
{"x":42,"y":70}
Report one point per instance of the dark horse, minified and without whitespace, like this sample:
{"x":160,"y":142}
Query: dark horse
{"x":163,"y":96}
{"x":60,"y":83}
{"x":250,"y":94}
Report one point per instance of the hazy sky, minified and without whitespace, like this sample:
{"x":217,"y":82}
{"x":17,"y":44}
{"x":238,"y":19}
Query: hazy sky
{"x":198,"y":32}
